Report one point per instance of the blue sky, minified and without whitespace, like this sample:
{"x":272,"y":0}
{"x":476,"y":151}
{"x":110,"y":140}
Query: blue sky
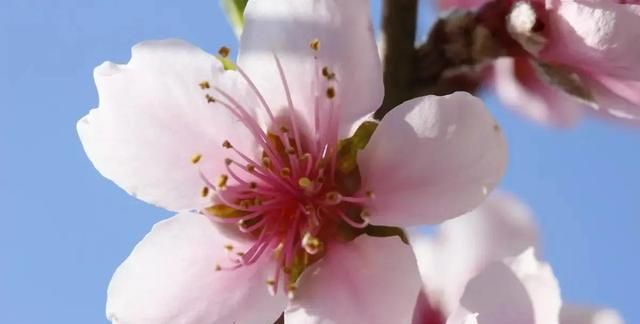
{"x":64,"y":228}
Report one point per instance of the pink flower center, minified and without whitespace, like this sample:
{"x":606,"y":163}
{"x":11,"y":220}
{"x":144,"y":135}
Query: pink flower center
{"x":293,"y":198}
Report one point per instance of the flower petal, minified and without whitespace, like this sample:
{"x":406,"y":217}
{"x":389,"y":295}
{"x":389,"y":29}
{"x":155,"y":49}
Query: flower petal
{"x":368,"y":280}
{"x":431,"y":159}
{"x":523,"y":290}
{"x":153,"y":118}
{"x":618,"y":99}
{"x":520,"y":88}
{"x":462,"y":316}
{"x":502,"y":227}
{"x":576,"y":314}
{"x":346,"y":46}
{"x":170,"y":277}
{"x":603,"y":35}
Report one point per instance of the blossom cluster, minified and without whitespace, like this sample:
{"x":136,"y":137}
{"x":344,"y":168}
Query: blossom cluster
{"x":291,"y":200}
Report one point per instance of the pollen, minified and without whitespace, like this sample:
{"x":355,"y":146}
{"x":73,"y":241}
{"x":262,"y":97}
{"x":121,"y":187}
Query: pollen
{"x":328,"y":74}
{"x":226,"y":144}
{"x":209,"y":98}
{"x":228,"y":247}
{"x":224,"y":51}
{"x":315,"y":44}
{"x":204,"y":85}
{"x":196,"y":158}
{"x":204,"y":192}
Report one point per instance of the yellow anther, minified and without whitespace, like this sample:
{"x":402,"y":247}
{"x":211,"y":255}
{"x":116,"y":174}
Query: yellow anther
{"x":228,"y":247}
{"x":210,"y":99}
{"x":284,"y":129}
{"x":204,"y":85}
{"x":251,"y":168}
{"x":240,"y":254}
{"x":291,"y":151}
{"x":306,"y":156}
{"x":311,"y":244}
{"x":315,"y":44}
{"x":305,"y":183}
{"x":328,"y":74}
{"x":226,"y":144}
{"x":222,"y":181}
{"x":224,"y":51}
{"x":204,"y":192}
{"x":266,"y":162}
{"x":285,"y":172}
{"x":196,"y":158}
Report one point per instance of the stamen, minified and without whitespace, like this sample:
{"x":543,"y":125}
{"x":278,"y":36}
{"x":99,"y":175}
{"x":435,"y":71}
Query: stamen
{"x":315,"y":44}
{"x":204,"y":85}
{"x":222,"y":181}
{"x":209,"y":98}
{"x":224,"y":51}
{"x":204,"y":192}
{"x":305,"y":183}
{"x":196,"y":158}
{"x":331,"y":92}
{"x":285,"y":172}
{"x":311,"y":244}
{"x":333,"y":197}
{"x":226,"y":144}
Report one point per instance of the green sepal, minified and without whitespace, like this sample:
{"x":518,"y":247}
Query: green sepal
{"x":386,"y":231}
{"x":234,"y":10}
{"x":348,"y":148}
{"x":227,"y":64}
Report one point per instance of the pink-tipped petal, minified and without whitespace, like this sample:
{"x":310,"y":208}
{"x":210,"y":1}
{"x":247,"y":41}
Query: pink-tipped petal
{"x":523,"y":290}
{"x":431,"y":159}
{"x":502,"y":227}
{"x":346,"y":46}
{"x":153,"y":118}
{"x":599,"y":36}
{"x":368,"y":280}
{"x":170,"y":277}
{"x":578,"y":314}
{"x":520,"y":88}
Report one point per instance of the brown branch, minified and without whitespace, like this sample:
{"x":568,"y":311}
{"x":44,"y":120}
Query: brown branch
{"x":399,"y":21}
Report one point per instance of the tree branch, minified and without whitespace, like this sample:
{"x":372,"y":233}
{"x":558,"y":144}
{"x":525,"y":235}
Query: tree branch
{"x":399,"y":21}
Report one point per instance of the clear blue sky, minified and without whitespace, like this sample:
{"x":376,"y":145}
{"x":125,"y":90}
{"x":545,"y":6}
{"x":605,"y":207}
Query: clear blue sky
{"x":64,"y":229}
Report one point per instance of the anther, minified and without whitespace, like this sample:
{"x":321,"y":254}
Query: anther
{"x":315,"y":44}
{"x":251,"y":168}
{"x":328,"y":74}
{"x":266,"y":162}
{"x":226,"y":144}
{"x":291,"y":290}
{"x":204,"y":192}
{"x":228,"y":161}
{"x":253,"y":185}
{"x":204,"y":85}
{"x":284,"y":129}
{"x":311,"y":244}
{"x":285,"y":172}
{"x":271,"y":285}
{"x":196,"y":158}
{"x":331,"y":92}
{"x":257,"y":202}
{"x":228,"y":247}
{"x":222,"y":181}
{"x":209,"y":98}
{"x":224,"y":51}
{"x":291,"y":151}
{"x":218,"y":267}
{"x":333,"y":197}
{"x":305,"y":183}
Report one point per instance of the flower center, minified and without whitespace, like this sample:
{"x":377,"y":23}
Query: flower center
{"x":303,"y":190}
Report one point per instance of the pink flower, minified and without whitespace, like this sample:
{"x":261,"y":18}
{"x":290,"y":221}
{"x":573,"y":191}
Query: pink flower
{"x":481,"y":268}
{"x":582,"y":58}
{"x":273,"y":198}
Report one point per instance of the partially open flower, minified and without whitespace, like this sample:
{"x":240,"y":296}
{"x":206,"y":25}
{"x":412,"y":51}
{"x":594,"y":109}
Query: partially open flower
{"x":482,"y":268}
{"x":281,"y":189}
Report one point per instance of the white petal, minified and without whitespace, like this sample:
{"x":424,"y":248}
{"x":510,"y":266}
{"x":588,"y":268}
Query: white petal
{"x":153,"y":118}
{"x":578,"y":314}
{"x":522,"y":290}
{"x":431,"y":159}
{"x":347,"y":47}
{"x":369,"y":280}
{"x":501,"y":227}
{"x":170,"y":277}
{"x":462,"y":316}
